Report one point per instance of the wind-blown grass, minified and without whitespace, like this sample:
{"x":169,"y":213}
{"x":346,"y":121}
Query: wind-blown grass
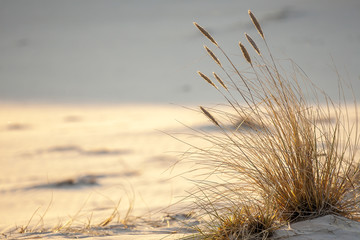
{"x":298,"y":160}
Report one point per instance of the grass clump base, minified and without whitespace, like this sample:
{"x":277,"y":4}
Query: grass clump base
{"x":245,"y":222}
{"x":295,"y":160}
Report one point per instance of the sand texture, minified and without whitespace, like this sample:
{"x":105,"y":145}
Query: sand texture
{"x":65,"y":169}
{"x":77,"y":164}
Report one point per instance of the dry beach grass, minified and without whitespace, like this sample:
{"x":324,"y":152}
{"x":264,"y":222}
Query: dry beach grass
{"x":278,"y":153}
{"x":299,"y":162}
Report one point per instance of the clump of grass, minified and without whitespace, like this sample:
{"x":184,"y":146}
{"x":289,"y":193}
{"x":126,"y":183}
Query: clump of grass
{"x":294,"y":167}
{"x":245,"y":220}
{"x":245,"y":223}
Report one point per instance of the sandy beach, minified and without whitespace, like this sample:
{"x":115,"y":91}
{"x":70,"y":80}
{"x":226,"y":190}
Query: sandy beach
{"x":88,"y":158}
{"x":66,"y":168}
{"x":93,"y":95}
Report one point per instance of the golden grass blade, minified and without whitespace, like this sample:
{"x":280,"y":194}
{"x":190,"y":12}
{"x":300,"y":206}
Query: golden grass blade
{"x":252,"y":43}
{"x":207,"y":79}
{"x":256,"y":23}
{"x":245,"y":53}
{"x":220,"y":81}
{"x":109,"y":219}
{"x":206,"y":34}
{"x":209,"y":116}
{"x":212,"y":55}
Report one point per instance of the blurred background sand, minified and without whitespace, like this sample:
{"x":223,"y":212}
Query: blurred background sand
{"x":148,"y":51}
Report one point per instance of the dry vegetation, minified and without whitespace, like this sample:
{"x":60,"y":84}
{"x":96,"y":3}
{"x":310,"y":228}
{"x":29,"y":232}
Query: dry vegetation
{"x":296,"y":161}
{"x":79,"y":223}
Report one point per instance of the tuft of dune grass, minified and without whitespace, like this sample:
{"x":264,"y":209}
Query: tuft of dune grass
{"x":294,"y":167}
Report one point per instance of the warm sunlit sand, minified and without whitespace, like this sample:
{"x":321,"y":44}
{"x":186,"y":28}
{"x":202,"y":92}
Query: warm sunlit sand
{"x":67,"y":168}
{"x":87,"y":159}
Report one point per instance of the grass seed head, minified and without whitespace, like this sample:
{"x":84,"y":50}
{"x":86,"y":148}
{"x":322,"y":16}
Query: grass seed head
{"x":206,"y":78}
{"x":212,"y":55}
{"x":207,"y":114}
{"x":220,"y":81}
{"x":252,"y":43}
{"x":206,"y":34}
{"x":256,"y":23}
{"x":245,"y":53}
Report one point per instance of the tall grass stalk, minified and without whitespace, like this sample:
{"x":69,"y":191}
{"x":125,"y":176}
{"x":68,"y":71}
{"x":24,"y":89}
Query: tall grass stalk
{"x":296,"y":159}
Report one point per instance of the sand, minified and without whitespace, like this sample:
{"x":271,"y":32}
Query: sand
{"x":327,"y":227}
{"x":147,"y":51}
{"x":80,"y":161}
{"x":65,"y":169}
